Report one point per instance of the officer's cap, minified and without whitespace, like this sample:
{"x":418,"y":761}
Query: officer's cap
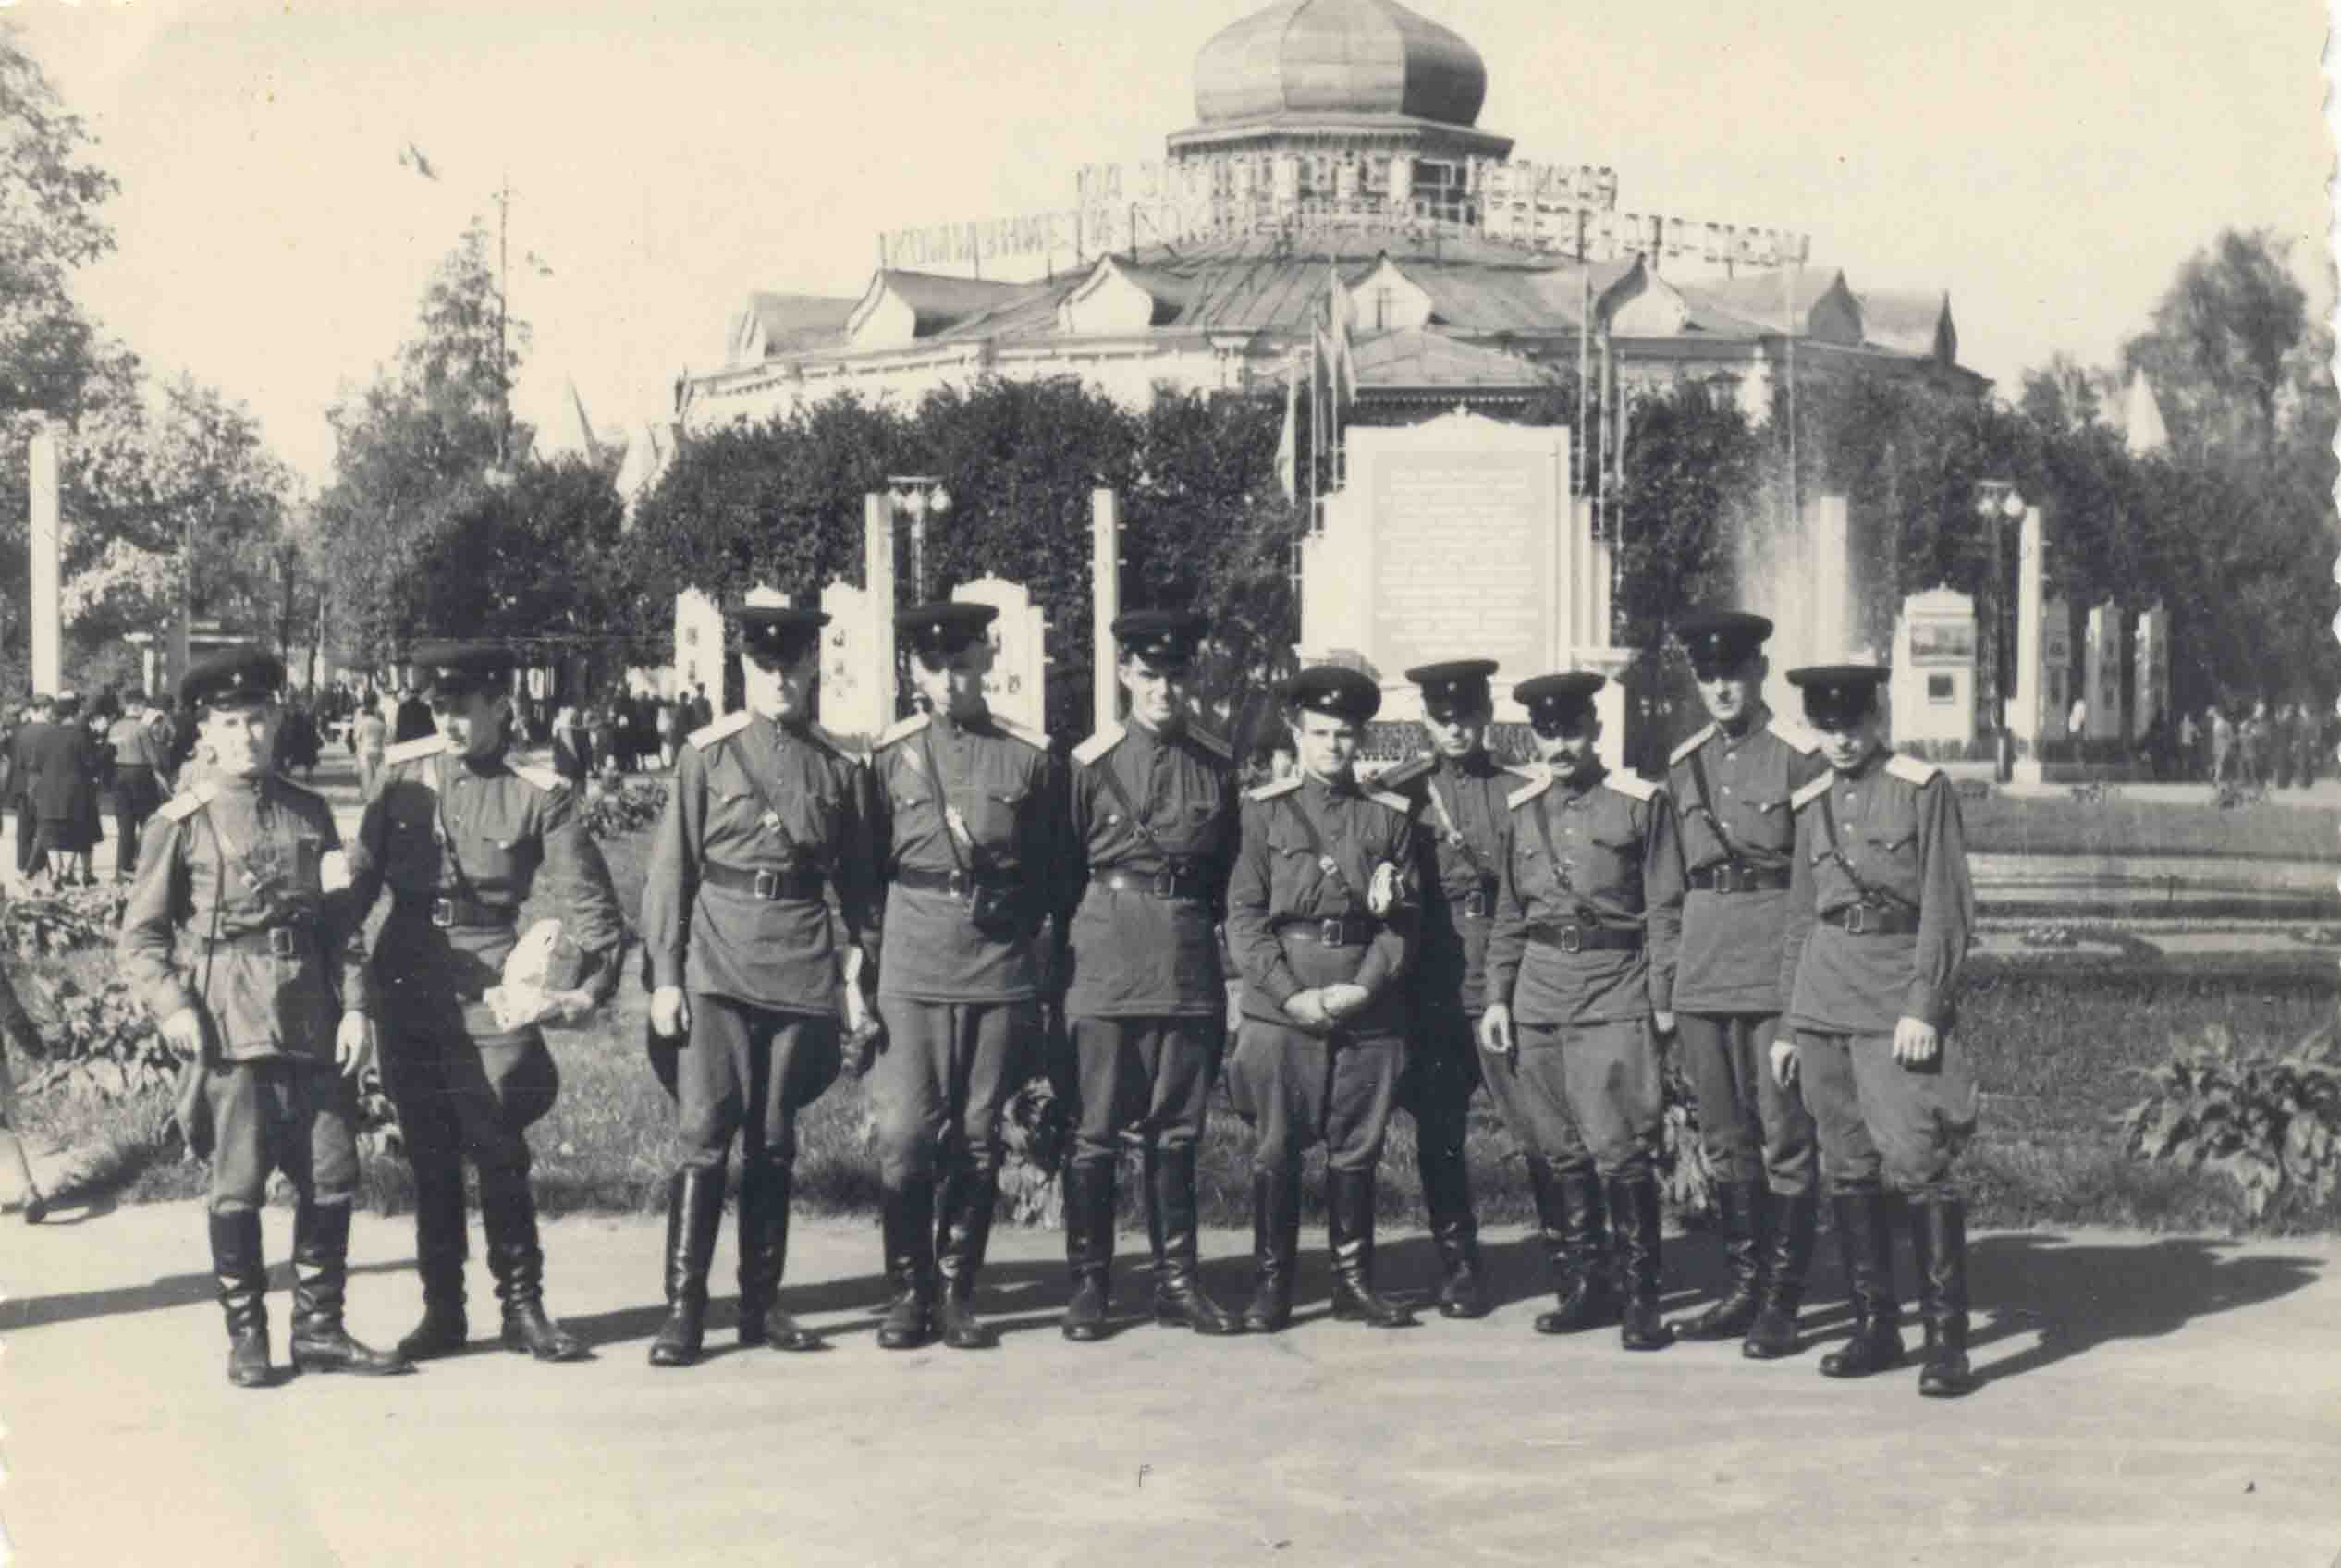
{"x":1555,"y":702}
{"x":1162,"y":637}
{"x":1838,"y":693}
{"x":1334,"y":689}
{"x":1721,"y":640}
{"x":232,"y":677}
{"x":458,"y":669}
{"x":776,"y":634}
{"x":940,"y":630}
{"x":1456,"y":686}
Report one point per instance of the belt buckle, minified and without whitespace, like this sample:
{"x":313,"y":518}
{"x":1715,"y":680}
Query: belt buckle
{"x":1333,"y":931}
{"x":443,"y":914}
{"x":1476,"y":904}
{"x":1572,"y":939}
{"x":955,"y":883}
{"x":1743,"y":877}
{"x":767,"y":884}
{"x":282,"y":943}
{"x":1166,"y":882}
{"x":1857,"y":920}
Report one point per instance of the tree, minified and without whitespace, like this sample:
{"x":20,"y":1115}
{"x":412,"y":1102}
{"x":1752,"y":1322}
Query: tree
{"x":50,"y":228}
{"x":413,"y":451}
{"x":2223,"y":347}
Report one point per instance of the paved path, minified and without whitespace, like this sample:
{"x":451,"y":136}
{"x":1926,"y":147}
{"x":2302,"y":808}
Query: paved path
{"x":2151,"y":1401}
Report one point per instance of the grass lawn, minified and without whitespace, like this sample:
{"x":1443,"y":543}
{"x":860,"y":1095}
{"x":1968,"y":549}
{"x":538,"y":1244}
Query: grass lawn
{"x":2017,"y":825}
{"x":2057,"y":1054}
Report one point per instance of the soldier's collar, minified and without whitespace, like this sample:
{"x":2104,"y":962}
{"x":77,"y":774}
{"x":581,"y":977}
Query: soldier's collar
{"x":1577,"y":786}
{"x":1754,"y":720}
{"x":1339,"y":788}
{"x":240,"y":784}
{"x":1871,"y":761}
{"x":1480,"y":763}
{"x":485,"y":768}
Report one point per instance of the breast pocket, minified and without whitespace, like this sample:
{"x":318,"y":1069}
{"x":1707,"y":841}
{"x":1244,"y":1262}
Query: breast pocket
{"x":1769,"y":824}
{"x":1617,"y":859}
{"x":1892,"y":857}
{"x":1296,"y":880}
{"x":992,"y":812}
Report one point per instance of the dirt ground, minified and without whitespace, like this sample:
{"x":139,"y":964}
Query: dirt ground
{"x":2149,"y":1400}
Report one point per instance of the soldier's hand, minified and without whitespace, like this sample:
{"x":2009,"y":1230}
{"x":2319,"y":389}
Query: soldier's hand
{"x":1308,"y":1008}
{"x":354,"y":1045}
{"x":1495,"y":1031}
{"x":183,"y":1032}
{"x":571,"y":1007}
{"x":857,"y":1012}
{"x":670,"y":1010}
{"x":1343,"y":999}
{"x":1784,"y":1062}
{"x":1914,"y":1042}
{"x":1663,"y":1023}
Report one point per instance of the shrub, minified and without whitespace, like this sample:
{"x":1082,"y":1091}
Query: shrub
{"x":1686,"y":1180}
{"x":62,"y":921}
{"x":102,"y":1046}
{"x":631,"y":808}
{"x":2271,"y":1123}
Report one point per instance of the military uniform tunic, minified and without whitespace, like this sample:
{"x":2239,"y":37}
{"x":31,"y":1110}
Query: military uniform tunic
{"x":761,"y":959}
{"x":968,"y":822}
{"x":1894,"y":864}
{"x":229,"y":914}
{"x":460,"y":845}
{"x":1298,"y":1084}
{"x":1592,"y":865}
{"x":1145,"y":998}
{"x":1738,"y":831}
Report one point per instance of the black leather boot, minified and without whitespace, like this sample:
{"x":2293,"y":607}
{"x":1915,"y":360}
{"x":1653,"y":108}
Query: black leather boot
{"x":1179,"y":1299}
{"x":243,"y":1296}
{"x":1089,"y":1248}
{"x":1739,"y":1218}
{"x":321,"y":1279}
{"x":1866,"y":1248}
{"x":1349,"y":1224}
{"x":694,"y":1212}
{"x":1634,"y":1217}
{"x":516,"y":1257}
{"x":1580,"y":1248}
{"x":1774,"y":1334}
{"x":439,"y":1257}
{"x":1276,"y":1244}
{"x":766,"y":1188}
{"x":965,"y":1231}
{"x":1939,"y":1234}
{"x":1455,"y":1231}
{"x":907,"y":1219}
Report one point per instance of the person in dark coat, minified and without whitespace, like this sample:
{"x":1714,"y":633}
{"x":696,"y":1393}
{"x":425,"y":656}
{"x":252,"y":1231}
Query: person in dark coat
{"x":65,"y":793}
{"x":23,"y":767}
{"x":414,"y":721}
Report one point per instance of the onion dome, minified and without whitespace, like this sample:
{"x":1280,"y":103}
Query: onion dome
{"x":1339,"y":58}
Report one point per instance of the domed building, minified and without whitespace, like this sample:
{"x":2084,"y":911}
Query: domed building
{"x":1339,"y":131}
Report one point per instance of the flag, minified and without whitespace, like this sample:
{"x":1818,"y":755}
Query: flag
{"x":1324,"y":417}
{"x":1288,"y":446}
{"x":1342,"y":372}
{"x":585,"y":425}
{"x":410,"y":157}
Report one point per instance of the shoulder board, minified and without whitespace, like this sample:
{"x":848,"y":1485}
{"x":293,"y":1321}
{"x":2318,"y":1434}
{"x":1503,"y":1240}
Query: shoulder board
{"x":1269,"y":792}
{"x":903,"y":729}
{"x":416,"y":750}
{"x":1032,"y":738}
{"x":545,"y":779}
{"x":707,"y":735}
{"x":1630,"y":784}
{"x":1813,"y":791}
{"x":837,"y":744}
{"x":1539,"y":781}
{"x":1796,"y":737}
{"x":297,"y":788}
{"x":1097,"y":745}
{"x":179,"y":807}
{"x":1693,"y":745}
{"x":1412,"y":771}
{"x":1910,"y":770}
{"x":1519,"y":771}
{"x":1398,"y":803}
{"x":1217,"y":745}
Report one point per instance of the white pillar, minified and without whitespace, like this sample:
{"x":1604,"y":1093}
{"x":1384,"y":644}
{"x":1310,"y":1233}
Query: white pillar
{"x":2029,"y":707}
{"x":48,"y":551}
{"x":877,"y":581}
{"x":1104,"y":599}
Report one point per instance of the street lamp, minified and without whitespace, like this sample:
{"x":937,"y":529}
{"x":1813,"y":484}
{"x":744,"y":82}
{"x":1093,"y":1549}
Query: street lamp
{"x":917,"y":496}
{"x":1998,"y":502}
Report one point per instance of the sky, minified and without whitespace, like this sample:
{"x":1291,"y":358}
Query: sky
{"x":2049,"y":164}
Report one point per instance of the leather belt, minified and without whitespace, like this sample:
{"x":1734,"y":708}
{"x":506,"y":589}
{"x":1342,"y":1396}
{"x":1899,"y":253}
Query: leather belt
{"x":1169,"y":883}
{"x":453,"y":914}
{"x":1872,"y":920}
{"x":1583,"y":938}
{"x":1738,"y":876}
{"x":1332,"y":931}
{"x":960,"y":882}
{"x":1477,"y":905}
{"x":770,"y":885}
{"x":277,"y":941}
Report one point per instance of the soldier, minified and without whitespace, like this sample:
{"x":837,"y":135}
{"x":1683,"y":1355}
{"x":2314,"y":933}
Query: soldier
{"x":459,"y":836}
{"x":1319,"y":926}
{"x":1880,"y":916}
{"x":1733,"y":780}
{"x":238,"y":867}
{"x":763,"y":853}
{"x":1580,"y":971}
{"x":967,"y":822}
{"x":1457,"y":796}
{"x":1154,"y":816}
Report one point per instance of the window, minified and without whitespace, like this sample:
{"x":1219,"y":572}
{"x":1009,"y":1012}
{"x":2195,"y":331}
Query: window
{"x":1939,"y":689}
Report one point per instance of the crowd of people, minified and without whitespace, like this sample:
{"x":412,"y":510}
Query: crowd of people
{"x":2259,"y":749}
